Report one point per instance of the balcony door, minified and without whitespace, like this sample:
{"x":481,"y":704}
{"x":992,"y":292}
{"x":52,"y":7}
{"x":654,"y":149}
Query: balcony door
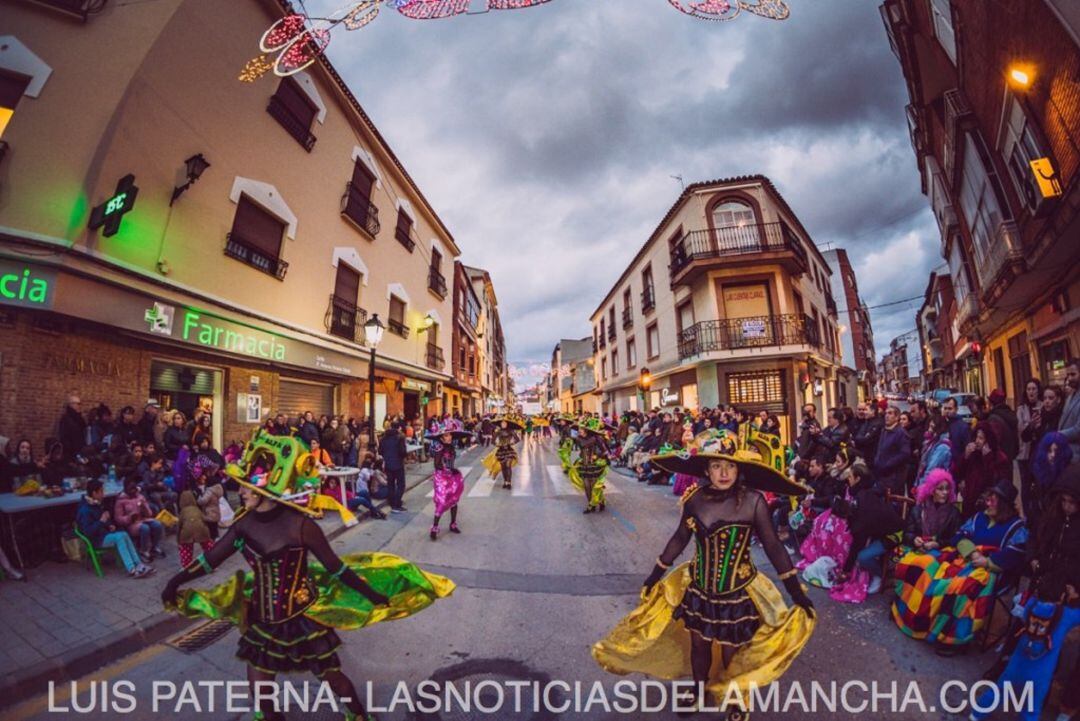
{"x":748,"y":314}
{"x":735,"y":227}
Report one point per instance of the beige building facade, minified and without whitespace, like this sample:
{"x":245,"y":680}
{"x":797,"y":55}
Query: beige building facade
{"x":726,"y":303}
{"x":491,"y":343}
{"x":246,"y":291}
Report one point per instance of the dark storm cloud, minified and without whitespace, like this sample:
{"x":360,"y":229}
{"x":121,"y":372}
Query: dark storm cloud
{"x":546,"y":139}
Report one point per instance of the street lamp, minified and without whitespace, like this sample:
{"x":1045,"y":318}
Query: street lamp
{"x":373,"y":332}
{"x":1021,"y":76}
{"x":196,"y":165}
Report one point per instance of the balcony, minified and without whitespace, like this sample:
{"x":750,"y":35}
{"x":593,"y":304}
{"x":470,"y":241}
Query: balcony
{"x":436,"y":283}
{"x":397,"y":328}
{"x":293,"y":125}
{"x":402,"y":236}
{"x":967,"y":310}
{"x":345,"y":320}
{"x":918,"y":132}
{"x":603,"y":341}
{"x":958,"y":117}
{"x":247,"y":252}
{"x":627,"y":318}
{"x":434,"y":357}
{"x":830,"y":304}
{"x":611,"y":333}
{"x":1006,"y":250}
{"x":648,"y":299}
{"x":753,"y":332}
{"x":360,"y":211}
{"x":701,"y":250}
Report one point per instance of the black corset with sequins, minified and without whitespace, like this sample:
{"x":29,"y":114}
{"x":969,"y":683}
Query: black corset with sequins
{"x":722,"y":561}
{"x":282,"y":588}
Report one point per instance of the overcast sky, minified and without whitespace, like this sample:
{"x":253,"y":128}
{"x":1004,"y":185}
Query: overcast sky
{"x":546,"y":137}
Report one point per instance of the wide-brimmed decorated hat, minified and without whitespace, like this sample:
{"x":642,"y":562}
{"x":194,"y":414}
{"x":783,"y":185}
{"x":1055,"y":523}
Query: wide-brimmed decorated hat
{"x":597,"y":426}
{"x":283,"y":469}
{"x":452,"y":426}
{"x":512,"y":421}
{"x":754,"y":470}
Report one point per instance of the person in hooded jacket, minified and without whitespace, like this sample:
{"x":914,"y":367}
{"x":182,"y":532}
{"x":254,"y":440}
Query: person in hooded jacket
{"x":71,"y":428}
{"x":982,"y":463}
{"x":874,"y":524}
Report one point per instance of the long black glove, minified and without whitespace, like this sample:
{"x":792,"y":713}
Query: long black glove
{"x":656,"y":575}
{"x":798,"y":595}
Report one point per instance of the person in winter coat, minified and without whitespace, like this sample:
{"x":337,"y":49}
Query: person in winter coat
{"x":133,"y":514}
{"x":1044,"y":418}
{"x":828,"y":442}
{"x":893,"y":454}
{"x":176,"y":436}
{"x":72,"y":428}
{"x":1026,"y":409}
{"x":308,"y":430}
{"x":152,"y":483}
{"x":936,"y":448}
{"x":100,"y":430}
{"x":1005,"y":424}
{"x":392,"y":451}
{"x":147,"y":426}
{"x":868,"y":430}
{"x":94,"y":522}
{"x":982,"y":464}
{"x":191,"y":529}
{"x":934,"y":519}
{"x":874,"y":524}
{"x":207,"y":495}
{"x":959,"y":428}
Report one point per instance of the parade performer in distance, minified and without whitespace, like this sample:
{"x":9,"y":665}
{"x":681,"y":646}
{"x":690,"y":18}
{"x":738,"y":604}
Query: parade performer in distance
{"x":502,"y":460}
{"x":287,"y":608}
{"x":566,"y":441}
{"x":719,"y":599}
{"x":589,"y":472}
{"x":448,"y":481}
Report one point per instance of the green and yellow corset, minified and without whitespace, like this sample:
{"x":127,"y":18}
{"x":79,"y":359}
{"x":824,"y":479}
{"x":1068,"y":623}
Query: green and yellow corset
{"x":722,"y":562}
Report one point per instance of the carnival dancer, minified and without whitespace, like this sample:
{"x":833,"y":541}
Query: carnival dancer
{"x":287,"y":609}
{"x":719,"y":599}
{"x":502,"y":460}
{"x":566,"y":441}
{"x":449,"y":483}
{"x":589,"y":472}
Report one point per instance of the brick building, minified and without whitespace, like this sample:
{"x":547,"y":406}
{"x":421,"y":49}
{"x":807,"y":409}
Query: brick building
{"x":856,"y":331}
{"x":995,"y":124}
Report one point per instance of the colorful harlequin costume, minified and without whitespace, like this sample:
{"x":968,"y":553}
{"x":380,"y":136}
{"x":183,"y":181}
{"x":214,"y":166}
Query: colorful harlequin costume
{"x":504,"y":457}
{"x":449,"y":484}
{"x":288,"y":606}
{"x":718,"y":600}
{"x":589,"y":472}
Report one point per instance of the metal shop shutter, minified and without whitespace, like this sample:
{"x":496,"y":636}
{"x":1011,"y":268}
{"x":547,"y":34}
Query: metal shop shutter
{"x":295,"y":397}
{"x":177,"y":378}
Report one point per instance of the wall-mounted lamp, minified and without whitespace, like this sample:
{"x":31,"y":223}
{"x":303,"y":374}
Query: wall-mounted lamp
{"x":426,"y":324}
{"x":196,"y":166}
{"x":1021,"y":76}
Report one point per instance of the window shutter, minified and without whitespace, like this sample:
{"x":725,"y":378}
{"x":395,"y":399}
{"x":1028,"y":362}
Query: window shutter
{"x":404,"y":222}
{"x":362,"y":180}
{"x":397,"y":309}
{"x":296,"y":101}
{"x":347,"y":283}
{"x":255,"y":226}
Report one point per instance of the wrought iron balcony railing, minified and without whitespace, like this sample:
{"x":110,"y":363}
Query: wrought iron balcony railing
{"x":611,"y":332}
{"x":752,"y":332}
{"x":627,"y":318}
{"x":435,"y":359}
{"x":397,"y":328}
{"x":1006,"y":247}
{"x":403,"y":238}
{"x":436,"y":282}
{"x":360,"y":210}
{"x":240,"y":249}
{"x":734,"y":241}
{"x":603,"y":341}
{"x":345,"y":320}
{"x":293,"y":125}
{"x":648,"y":299}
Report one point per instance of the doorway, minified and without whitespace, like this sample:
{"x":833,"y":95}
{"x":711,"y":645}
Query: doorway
{"x":188,"y":388}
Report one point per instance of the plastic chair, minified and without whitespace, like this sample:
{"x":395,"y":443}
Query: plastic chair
{"x":92,"y":554}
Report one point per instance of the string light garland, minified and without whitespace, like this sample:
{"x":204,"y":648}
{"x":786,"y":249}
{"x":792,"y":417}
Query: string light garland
{"x":298,"y":39}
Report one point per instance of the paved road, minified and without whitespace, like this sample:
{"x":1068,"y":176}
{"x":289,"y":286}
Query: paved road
{"x":538,"y":582}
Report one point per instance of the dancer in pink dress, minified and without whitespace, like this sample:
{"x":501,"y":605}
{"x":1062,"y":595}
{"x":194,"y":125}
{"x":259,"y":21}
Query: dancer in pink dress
{"x":449,"y":483}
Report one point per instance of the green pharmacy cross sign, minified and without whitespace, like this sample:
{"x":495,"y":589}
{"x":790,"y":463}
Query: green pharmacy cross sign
{"x":108,"y":215}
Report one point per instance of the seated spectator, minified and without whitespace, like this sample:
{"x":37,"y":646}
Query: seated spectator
{"x":191,"y":529}
{"x":352,"y":500}
{"x":830,"y":538}
{"x":202,"y":449}
{"x":875,"y":525}
{"x":152,"y":484}
{"x":133,"y":514}
{"x":57,"y":465}
{"x":21,"y":467}
{"x":127,"y":429}
{"x":945,"y":596}
{"x":94,"y":522}
{"x":322,"y":458}
{"x":934,"y":519}
{"x":129,"y":464}
{"x":980,"y":466}
{"x":101,"y":428}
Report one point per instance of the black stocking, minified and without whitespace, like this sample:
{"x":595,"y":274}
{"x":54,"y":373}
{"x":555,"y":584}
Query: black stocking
{"x":343,"y":688}
{"x":255,"y":676}
{"x":506,"y":470}
{"x":453,"y":515}
{"x":588,"y":492}
{"x":436,"y":521}
{"x":701,"y":656}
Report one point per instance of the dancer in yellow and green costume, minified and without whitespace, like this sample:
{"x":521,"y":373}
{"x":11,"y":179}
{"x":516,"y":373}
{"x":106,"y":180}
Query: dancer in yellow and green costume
{"x":503,"y":458}
{"x":589,"y":472}
{"x":566,"y":443}
{"x":287,"y":608}
{"x":718,"y":604}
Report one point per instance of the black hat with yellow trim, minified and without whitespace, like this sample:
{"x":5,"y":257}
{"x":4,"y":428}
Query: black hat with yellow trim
{"x":710,"y":445}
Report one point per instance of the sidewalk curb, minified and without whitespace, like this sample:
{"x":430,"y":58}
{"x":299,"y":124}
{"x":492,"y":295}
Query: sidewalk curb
{"x":89,"y":657}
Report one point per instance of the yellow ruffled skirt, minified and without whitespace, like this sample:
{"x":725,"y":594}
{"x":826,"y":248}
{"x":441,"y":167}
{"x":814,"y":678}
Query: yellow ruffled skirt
{"x":649,"y":641}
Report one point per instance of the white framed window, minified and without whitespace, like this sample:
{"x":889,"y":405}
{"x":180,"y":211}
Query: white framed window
{"x":615,"y":362}
{"x":979,"y":199}
{"x":652,"y":340}
{"x":631,"y":354}
{"x":735,"y":224}
{"x":1019,"y":146}
{"x":941,"y":16}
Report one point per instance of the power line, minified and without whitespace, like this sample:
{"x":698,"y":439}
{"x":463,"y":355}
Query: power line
{"x":885,"y":305}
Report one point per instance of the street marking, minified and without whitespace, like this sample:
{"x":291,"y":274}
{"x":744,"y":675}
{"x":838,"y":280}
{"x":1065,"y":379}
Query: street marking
{"x":523,"y":486}
{"x":483,"y":486}
{"x":563,"y":486}
{"x":465,"y":471}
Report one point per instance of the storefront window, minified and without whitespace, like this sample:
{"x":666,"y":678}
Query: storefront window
{"x":1054,"y":357}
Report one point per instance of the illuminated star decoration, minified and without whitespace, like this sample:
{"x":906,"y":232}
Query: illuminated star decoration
{"x":298,"y":40}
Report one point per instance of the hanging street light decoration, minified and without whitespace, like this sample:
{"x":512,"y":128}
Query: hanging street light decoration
{"x":298,"y":39}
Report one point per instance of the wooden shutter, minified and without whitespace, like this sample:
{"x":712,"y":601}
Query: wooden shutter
{"x":347,"y":284}
{"x":258,"y":228}
{"x":404,"y":223}
{"x":436,"y":260}
{"x":397,"y":309}
{"x":362,"y":180}
{"x":296,"y":101}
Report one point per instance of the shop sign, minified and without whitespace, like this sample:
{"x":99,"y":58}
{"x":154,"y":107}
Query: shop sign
{"x":410,"y":385}
{"x":26,"y":286}
{"x":753,"y":328}
{"x":248,"y":407}
{"x":669,"y":397}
